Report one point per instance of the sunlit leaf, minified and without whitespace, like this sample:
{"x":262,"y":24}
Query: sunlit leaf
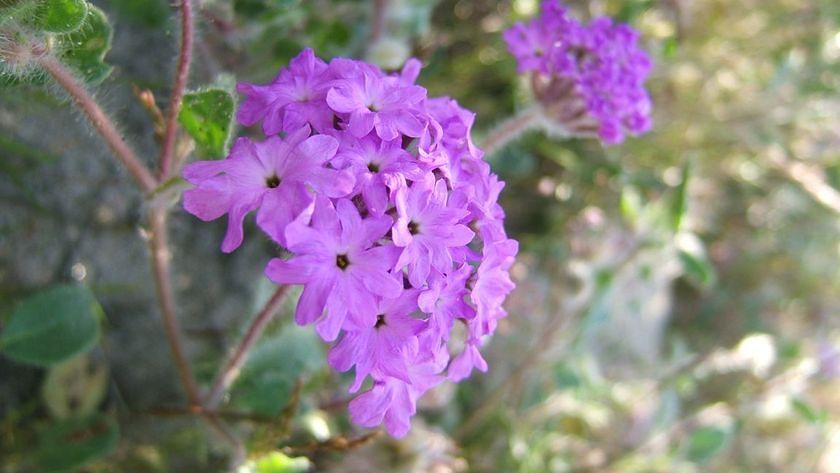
{"x":72,"y":444}
{"x":277,"y":462}
{"x":52,"y":326}
{"x":207,"y":115}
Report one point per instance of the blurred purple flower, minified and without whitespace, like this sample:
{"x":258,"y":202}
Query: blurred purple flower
{"x":587,"y":79}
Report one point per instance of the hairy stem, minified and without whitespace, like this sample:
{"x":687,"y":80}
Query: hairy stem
{"x":181,"y":75}
{"x":163,"y":284}
{"x":231,"y":368}
{"x":100,"y":120}
{"x":509,"y":130}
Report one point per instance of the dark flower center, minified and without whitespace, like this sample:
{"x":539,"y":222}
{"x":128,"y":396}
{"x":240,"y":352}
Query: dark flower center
{"x":413,"y":227}
{"x":380,"y":320}
{"x":272,"y":181}
{"x":373,"y":167}
{"x":342,"y":262}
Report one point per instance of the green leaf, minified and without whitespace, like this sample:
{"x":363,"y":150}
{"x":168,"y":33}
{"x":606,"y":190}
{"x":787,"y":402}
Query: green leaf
{"x":706,"y":442}
{"x":60,"y":16}
{"x":809,"y":412}
{"x":696,"y":266}
{"x":75,"y":388}
{"x":274,"y":366}
{"x":277,"y":462}
{"x":207,"y":115}
{"x":84,"y":49}
{"x":631,"y":204}
{"x":72,"y":444}
{"x":52,"y":326}
{"x":679,"y":202}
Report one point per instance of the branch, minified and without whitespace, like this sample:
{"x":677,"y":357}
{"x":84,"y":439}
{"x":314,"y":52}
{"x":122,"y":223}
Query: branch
{"x":163,"y":284}
{"x":810,"y":178}
{"x":100,"y":120}
{"x":181,"y":76}
{"x":377,"y":24}
{"x":230,"y":372}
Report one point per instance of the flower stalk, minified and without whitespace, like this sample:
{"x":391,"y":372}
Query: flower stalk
{"x":181,"y":75}
{"x":100,"y":120}
{"x":510,"y":130}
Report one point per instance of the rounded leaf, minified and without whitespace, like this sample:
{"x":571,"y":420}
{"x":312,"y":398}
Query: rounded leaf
{"x":52,"y":326}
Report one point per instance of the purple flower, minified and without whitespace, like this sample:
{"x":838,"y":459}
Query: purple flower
{"x":426,"y":228}
{"x":374,"y":101}
{"x":295,"y":98}
{"x":587,"y":79}
{"x":272,"y":175}
{"x":340,"y":268}
{"x":381,"y":349}
{"x":445,"y":300}
{"x":373,"y":187}
{"x":393,"y":400}
{"x":374,"y":162}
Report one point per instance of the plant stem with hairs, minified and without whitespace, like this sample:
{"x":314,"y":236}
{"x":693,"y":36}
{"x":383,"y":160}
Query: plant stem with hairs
{"x":181,"y":75}
{"x":100,"y":121}
{"x":510,"y":129}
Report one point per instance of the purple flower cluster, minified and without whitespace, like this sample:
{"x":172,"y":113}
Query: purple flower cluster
{"x":390,"y":215}
{"x":587,"y":78}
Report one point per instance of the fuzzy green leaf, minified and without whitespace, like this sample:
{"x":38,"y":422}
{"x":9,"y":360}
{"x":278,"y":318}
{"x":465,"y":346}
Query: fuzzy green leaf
{"x":60,"y":16}
{"x":207,"y":115}
{"x":84,"y":49}
{"x":52,"y":326}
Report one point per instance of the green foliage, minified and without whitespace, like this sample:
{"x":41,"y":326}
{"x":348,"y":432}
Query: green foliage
{"x":696,"y":266}
{"x":52,"y":326}
{"x":707,"y":442}
{"x":277,"y":462}
{"x":207,"y":115}
{"x":273,"y":368}
{"x":679,"y":201}
{"x":808,"y":412}
{"x":84,"y":49}
{"x":72,"y":444}
{"x":60,"y":16}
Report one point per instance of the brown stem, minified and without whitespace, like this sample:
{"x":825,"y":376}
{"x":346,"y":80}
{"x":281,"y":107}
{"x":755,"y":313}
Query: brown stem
{"x":509,"y":130}
{"x":181,"y":75}
{"x":100,"y":120}
{"x":377,"y":25}
{"x":163,"y":284}
{"x":230,"y":372}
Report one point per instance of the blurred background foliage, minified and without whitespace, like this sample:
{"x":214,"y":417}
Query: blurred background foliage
{"x":677,"y":295}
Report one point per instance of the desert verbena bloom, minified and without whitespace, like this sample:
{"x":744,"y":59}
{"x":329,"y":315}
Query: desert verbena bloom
{"x":587,"y":78}
{"x":389,"y":214}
